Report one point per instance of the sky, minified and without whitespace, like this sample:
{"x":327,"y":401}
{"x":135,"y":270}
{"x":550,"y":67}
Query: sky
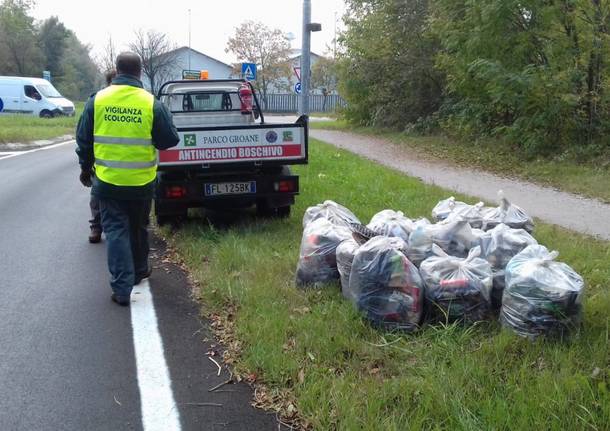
{"x":212,"y":21}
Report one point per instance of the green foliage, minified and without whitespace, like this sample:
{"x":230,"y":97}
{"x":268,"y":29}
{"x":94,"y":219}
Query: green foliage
{"x":387,"y":72}
{"x":535,"y":72}
{"x":19,"y":50}
{"x":523,"y":70}
{"x":27,"y":48}
{"x":80,"y":74}
{"x":22,"y":129}
{"x":52,"y":38}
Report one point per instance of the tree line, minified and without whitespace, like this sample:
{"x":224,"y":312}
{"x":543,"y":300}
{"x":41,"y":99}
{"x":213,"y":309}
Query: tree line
{"x":28,"y":47}
{"x":534,"y":73}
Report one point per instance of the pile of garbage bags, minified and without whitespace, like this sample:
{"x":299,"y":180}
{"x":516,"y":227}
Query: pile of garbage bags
{"x":471,"y":264}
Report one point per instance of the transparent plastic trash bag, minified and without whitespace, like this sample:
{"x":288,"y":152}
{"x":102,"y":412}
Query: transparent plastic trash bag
{"x":445,"y":207}
{"x":317,"y":259}
{"x":542,"y":296}
{"x":392,"y":223}
{"x":498,"y":247}
{"x":455,"y":237}
{"x":385,"y":286}
{"x":332,"y":211}
{"x":509,"y":214}
{"x":457,"y":289}
{"x":473,"y":214}
{"x":346,"y":251}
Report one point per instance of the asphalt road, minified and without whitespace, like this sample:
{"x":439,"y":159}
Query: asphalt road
{"x":67,"y":353}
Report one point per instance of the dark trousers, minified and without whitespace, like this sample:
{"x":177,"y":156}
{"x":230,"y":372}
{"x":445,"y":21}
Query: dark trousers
{"x":125,"y":224}
{"x":96,"y":219}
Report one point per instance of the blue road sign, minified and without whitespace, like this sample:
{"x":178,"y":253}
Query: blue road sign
{"x":248,"y":71}
{"x":297,"y":88}
{"x":1,"y":105}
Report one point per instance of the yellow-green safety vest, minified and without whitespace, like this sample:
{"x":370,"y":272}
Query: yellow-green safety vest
{"x":122,"y":129}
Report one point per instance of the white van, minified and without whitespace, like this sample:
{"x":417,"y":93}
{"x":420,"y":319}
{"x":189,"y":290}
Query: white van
{"x":33,"y":96}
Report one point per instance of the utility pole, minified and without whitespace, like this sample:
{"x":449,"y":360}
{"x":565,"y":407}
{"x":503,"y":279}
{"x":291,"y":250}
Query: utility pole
{"x":335,"y":39}
{"x":189,"y":39}
{"x":308,"y":28}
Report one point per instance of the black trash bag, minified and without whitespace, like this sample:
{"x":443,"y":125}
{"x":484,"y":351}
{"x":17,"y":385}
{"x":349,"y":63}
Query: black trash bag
{"x":457,"y":289}
{"x":455,"y":237}
{"x":444,"y":208}
{"x":317,"y":259}
{"x":498,"y":247}
{"x":346,"y":251}
{"x":542,"y":297}
{"x":395,"y":224}
{"x":509,"y":214}
{"x":332,"y":211}
{"x":385,"y":286}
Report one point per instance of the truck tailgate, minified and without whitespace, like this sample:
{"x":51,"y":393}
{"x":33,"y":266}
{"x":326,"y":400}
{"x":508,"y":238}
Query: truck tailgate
{"x":279,"y":143}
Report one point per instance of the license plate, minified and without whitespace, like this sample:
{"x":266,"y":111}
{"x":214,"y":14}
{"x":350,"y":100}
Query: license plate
{"x":219,"y":189}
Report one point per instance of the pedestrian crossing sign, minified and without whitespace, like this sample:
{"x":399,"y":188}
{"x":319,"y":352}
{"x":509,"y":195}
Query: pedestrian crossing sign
{"x":248,"y":71}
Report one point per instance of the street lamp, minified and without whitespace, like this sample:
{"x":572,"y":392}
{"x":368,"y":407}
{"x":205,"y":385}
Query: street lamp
{"x":308,"y":28}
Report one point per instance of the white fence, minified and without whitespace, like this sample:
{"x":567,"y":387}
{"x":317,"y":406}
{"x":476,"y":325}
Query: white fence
{"x":290,"y":103}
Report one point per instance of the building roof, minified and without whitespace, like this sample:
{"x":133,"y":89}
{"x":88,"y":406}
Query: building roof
{"x":186,"y":48}
{"x":296,"y":53}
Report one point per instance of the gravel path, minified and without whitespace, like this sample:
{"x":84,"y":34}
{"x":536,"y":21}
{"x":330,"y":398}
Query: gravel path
{"x":565,"y":209}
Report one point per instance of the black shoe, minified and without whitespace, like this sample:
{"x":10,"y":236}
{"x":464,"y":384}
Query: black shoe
{"x":123,"y":301}
{"x":141,"y":277}
{"x":96,"y":235}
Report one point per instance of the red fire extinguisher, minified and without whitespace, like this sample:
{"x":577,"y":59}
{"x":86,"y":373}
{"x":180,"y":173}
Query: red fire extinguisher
{"x":247,"y":98}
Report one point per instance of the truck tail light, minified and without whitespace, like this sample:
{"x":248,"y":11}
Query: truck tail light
{"x":285,"y":186}
{"x":175,"y":192}
{"x":246,"y":97}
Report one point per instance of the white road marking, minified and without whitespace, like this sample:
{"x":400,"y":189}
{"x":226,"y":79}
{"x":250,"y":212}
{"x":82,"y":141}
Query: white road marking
{"x":8,"y":155}
{"x":159,"y":411}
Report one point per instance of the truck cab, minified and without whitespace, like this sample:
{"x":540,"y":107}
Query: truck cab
{"x":228,"y":156}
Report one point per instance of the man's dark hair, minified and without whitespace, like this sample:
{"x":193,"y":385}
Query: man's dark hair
{"x":129,"y":63}
{"x":110,"y":75}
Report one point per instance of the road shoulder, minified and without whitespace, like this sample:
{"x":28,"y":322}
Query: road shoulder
{"x":189,"y":349}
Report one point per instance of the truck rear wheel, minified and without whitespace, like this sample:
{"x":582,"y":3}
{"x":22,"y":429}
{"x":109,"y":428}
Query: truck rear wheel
{"x":173,"y":216}
{"x":264,"y":210}
{"x":283,"y":212}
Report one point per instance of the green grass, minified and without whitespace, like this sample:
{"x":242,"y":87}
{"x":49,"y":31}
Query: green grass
{"x":25,"y":128}
{"x":565,"y":171}
{"x":345,"y":375}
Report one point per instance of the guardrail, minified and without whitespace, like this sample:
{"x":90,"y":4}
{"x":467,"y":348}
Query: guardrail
{"x":290,"y":103}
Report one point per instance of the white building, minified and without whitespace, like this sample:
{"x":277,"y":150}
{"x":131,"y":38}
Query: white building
{"x":295,"y":64}
{"x":186,"y":58}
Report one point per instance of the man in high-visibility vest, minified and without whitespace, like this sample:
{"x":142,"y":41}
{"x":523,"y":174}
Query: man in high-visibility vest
{"x":118,"y":136}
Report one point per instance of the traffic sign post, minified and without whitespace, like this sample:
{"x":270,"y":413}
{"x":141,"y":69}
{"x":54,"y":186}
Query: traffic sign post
{"x":46,"y":75}
{"x":248,"y":71}
{"x":297,"y":72}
